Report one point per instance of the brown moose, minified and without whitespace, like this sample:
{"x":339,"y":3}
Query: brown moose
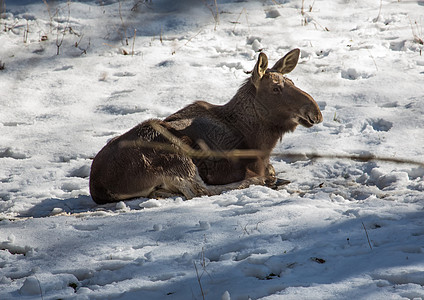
{"x":265,"y":107}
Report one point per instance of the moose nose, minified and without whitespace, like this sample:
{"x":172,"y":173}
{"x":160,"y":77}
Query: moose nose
{"x":312,"y":113}
{"x":317,"y":118}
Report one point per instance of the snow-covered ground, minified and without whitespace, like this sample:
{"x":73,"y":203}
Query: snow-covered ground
{"x":342,"y":229}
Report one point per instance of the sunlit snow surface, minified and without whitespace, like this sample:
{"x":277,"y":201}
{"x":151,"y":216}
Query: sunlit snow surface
{"x":341,"y":230}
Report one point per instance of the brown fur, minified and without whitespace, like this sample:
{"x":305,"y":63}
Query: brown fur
{"x":265,"y":107}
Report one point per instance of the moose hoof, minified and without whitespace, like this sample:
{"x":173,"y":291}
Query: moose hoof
{"x":278,"y":183}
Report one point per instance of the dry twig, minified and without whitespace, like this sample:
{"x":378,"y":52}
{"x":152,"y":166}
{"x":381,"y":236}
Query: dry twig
{"x":366,"y":232}
{"x":177,"y":146}
{"x":198,"y":280}
{"x":215,"y":13}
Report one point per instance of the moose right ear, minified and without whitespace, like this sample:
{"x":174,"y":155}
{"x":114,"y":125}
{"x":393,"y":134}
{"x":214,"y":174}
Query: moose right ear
{"x":288,"y":62}
{"x":260,"y":68}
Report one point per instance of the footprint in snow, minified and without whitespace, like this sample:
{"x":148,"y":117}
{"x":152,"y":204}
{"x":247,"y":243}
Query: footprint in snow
{"x":398,"y":45}
{"x":354,"y":74}
{"x":13,"y":248}
{"x":167,"y":63}
{"x":379,"y":125}
{"x":105,"y":133}
{"x":124,"y":74}
{"x":322,"y":105}
{"x":411,"y":249}
{"x":16,"y":124}
{"x":323,"y":53}
{"x":272,"y":13}
{"x":9,"y":153}
{"x":64,"y":68}
{"x":166,"y":276}
{"x":83,"y":227}
{"x":230,"y":65}
{"x":70,"y":186}
{"x":244,"y":211}
{"x":393,"y":104}
{"x":401,"y":277}
{"x":119,"y":94}
{"x":120,"y":109}
{"x":81,"y":172}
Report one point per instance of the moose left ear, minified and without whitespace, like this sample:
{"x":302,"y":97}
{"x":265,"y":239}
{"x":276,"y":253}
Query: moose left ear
{"x":260,"y":68}
{"x":288,"y":62}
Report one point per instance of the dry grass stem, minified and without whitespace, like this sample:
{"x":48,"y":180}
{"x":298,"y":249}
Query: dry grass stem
{"x":238,"y":20}
{"x":186,"y":43}
{"x":179,"y":147}
{"x":215,"y":13}
{"x":198,"y":280}
{"x":135,"y":34}
{"x":417,"y":32}
{"x":2,"y":8}
{"x":366,"y":232}
{"x":379,"y":12}
{"x":362,"y":158}
{"x":59,"y":40}
{"x":123,"y":25}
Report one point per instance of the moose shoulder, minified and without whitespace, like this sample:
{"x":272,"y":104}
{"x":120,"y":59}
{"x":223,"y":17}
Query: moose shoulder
{"x":265,"y":107}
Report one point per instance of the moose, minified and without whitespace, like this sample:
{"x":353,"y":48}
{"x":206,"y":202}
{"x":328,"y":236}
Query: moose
{"x":266,"y":106}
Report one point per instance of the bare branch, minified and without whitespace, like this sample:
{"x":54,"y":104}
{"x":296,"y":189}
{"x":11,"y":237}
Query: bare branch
{"x":366,"y":232}
{"x":198,"y":280}
{"x":177,"y":146}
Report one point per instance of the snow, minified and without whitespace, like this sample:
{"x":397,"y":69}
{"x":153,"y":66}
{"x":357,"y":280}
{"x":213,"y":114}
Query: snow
{"x":342,"y":229}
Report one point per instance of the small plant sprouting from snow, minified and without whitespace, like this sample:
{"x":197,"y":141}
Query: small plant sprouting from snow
{"x":418,"y":34}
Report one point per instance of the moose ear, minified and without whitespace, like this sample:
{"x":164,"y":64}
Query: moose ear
{"x":288,"y":62}
{"x":260,"y":68}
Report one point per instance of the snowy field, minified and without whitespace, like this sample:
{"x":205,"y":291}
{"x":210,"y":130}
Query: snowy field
{"x":75,"y":74}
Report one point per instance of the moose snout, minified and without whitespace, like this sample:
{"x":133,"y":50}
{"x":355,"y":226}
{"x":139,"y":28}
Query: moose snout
{"x":311,"y":110}
{"x":309,"y":113}
{"x":316,"y":118}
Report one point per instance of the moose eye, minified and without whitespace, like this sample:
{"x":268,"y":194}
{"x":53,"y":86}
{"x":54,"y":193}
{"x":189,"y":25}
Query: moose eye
{"x":276,"y":90}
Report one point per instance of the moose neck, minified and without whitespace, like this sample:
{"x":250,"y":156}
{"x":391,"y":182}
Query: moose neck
{"x":243,"y":115}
